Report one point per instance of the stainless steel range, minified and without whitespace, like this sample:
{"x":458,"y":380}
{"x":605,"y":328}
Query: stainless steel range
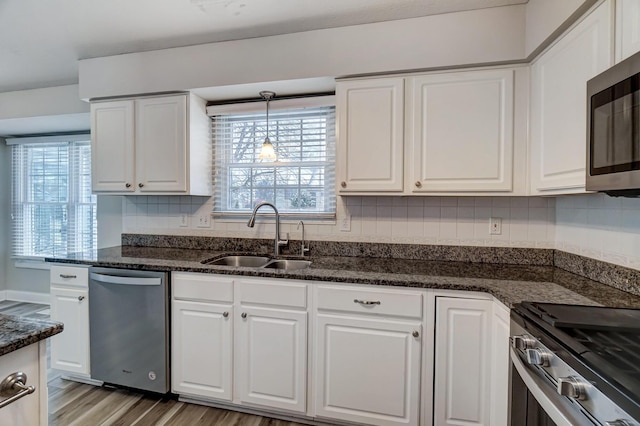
{"x":575,"y":365}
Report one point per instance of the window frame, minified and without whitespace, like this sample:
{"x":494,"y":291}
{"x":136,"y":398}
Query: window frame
{"x":78,"y":170}
{"x":276,"y":106}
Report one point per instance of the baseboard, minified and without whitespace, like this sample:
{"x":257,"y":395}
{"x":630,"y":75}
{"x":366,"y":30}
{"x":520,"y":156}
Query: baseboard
{"x":26,"y":296}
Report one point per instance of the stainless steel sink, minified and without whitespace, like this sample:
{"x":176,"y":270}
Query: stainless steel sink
{"x":248,"y":261}
{"x":288,"y":264}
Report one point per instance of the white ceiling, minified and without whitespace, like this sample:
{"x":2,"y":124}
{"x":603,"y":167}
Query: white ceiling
{"x":42,"y":40}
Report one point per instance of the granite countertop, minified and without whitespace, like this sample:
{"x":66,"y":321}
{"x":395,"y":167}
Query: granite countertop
{"x":18,"y":332}
{"x":508,"y":283}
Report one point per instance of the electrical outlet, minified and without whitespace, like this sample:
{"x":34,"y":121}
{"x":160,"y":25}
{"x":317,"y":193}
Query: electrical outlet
{"x":345,"y":223}
{"x":204,"y":220}
{"x":184,"y":220}
{"x":495,"y":225}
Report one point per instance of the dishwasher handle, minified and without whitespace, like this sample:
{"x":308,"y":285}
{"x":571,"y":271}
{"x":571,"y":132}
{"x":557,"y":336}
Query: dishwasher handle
{"x":123,"y":280}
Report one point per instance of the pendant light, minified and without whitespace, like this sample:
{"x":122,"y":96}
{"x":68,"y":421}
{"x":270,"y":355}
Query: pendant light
{"x":267,"y":152}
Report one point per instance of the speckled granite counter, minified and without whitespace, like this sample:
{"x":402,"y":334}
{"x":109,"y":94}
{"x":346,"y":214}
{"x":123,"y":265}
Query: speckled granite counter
{"x":18,"y":332}
{"x":509,"y":283}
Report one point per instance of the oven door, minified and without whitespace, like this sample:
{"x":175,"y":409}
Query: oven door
{"x":535,"y":402}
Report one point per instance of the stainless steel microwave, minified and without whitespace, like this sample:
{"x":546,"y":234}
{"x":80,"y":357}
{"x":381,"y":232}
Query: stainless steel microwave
{"x":613,"y":129}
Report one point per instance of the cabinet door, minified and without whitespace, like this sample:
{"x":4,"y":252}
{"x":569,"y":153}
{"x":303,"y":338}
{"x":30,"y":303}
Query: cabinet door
{"x":201,"y":352}
{"x":70,"y":349}
{"x":627,"y":28}
{"x":462,"y":131}
{"x":272,"y":358}
{"x":462,"y":362}
{"x":368,"y":370}
{"x":559,"y":103}
{"x":112,"y":146}
{"x":370,"y":135}
{"x":501,"y":364}
{"x":26,"y":410}
{"x":161,"y":144}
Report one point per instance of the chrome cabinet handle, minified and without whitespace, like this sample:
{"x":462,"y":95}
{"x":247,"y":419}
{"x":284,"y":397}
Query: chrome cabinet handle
{"x":243,"y":315}
{"x":14,"y":386}
{"x":81,"y":298}
{"x":366,"y":302}
{"x":415,"y":333}
{"x":68,"y":276}
{"x":225,"y":314}
{"x":140,"y":185}
{"x":127,"y":185}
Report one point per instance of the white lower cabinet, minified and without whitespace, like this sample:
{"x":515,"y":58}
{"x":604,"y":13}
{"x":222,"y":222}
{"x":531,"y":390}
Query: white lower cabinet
{"x":272,"y":358}
{"x":340,"y":352}
{"x":70,"y":306}
{"x":368,"y":355}
{"x":202,"y":349}
{"x":31,"y":409}
{"x":462,"y":373}
{"x":368,"y":370}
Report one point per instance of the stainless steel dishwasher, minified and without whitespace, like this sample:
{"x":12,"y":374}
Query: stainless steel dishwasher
{"x":129,"y":328}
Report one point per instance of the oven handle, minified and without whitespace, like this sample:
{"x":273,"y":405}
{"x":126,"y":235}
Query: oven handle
{"x":547,"y":397}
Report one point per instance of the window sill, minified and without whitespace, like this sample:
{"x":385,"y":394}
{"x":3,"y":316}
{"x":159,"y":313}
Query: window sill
{"x":31,"y":264}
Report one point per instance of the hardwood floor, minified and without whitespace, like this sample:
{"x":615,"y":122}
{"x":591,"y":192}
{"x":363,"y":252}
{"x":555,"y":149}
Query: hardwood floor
{"x":72,"y":403}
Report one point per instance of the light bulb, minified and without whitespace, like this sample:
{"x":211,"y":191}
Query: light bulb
{"x":267,"y":152}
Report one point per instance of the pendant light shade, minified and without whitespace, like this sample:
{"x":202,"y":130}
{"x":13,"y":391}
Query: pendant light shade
{"x":267,"y":152}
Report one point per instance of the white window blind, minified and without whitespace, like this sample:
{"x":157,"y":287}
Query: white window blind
{"x":53,"y":210}
{"x":300,"y":182}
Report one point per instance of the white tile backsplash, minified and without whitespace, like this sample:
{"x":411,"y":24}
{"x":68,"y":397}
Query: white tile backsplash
{"x":421,"y":220}
{"x":593,"y":225}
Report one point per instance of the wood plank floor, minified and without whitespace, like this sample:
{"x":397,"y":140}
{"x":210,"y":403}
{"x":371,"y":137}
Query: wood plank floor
{"x":72,"y":403}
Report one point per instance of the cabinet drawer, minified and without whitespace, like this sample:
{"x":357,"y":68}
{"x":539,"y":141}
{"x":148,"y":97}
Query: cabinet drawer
{"x":262,"y":292}
{"x":75,"y":276}
{"x":188,"y":285}
{"x":367,"y":301}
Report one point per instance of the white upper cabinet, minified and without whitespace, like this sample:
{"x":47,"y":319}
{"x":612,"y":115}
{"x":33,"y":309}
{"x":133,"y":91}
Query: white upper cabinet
{"x":627,"y":28}
{"x":371,"y":135}
{"x":161,"y":144}
{"x":461,"y":131}
{"x":112,"y":146}
{"x":559,"y":102}
{"x":156,"y":144}
{"x":445,"y":133}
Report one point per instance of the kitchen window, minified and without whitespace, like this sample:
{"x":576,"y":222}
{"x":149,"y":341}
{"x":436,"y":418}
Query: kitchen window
{"x":53,"y":212}
{"x":300,"y":182}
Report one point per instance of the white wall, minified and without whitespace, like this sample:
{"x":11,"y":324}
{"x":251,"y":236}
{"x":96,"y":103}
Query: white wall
{"x":545,"y":17}
{"x":526,"y":222}
{"x":600,"y":227}
{"x":453,"y":39}
{"x":5,"y":194}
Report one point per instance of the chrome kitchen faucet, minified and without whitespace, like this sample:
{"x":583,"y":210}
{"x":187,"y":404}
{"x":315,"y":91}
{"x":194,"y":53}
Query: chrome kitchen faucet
{"x":278,"y":242}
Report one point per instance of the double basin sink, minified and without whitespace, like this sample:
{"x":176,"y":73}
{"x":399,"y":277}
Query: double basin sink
{"x":259,"y":262}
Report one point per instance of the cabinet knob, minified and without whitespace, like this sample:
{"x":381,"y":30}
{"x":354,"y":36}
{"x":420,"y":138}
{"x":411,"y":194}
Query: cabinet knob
{"x":225,"y":314}
{"x":343,"y":184}
{"x":243,"y":315}
{"x":81,"y":298}
{"x":418,"y":184}
{"x":415,"y":333}
{"x":127,"y":185}
{"x":140,"y":185}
